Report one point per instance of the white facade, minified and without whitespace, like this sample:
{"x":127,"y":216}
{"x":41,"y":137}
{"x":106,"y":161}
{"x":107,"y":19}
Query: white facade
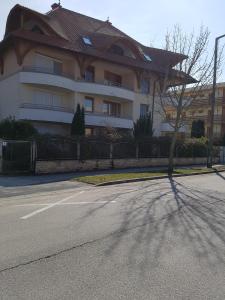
{"x":33,"y":91}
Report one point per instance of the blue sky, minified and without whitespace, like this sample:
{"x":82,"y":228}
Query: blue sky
{"x":145,"y":20}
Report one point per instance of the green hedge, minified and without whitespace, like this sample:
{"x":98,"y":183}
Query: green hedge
{"x":12,"y":129}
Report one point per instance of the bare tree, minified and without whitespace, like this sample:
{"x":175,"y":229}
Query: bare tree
{"x":196,"y":69}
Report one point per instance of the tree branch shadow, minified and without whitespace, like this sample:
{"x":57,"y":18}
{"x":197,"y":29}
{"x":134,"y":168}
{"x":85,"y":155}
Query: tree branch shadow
{"x":195,"y":217}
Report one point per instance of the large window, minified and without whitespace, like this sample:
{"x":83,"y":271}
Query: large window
{"x":48,"y":64}
{"x":111,"y":108}
{"x":145,"y":86}
{"x":144,"y":109}
{"x":112,"y":79}
{"x":89,"y":74}
{"x":46,"y":99}
{"x":89,"y":104}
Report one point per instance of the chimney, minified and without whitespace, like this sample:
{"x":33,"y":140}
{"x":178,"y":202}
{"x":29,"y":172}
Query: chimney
{"x":56,"y":5}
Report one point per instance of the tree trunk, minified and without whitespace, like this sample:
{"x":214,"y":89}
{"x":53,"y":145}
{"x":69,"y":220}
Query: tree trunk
{"x":174,"y":138}
{"x":171,"y":156}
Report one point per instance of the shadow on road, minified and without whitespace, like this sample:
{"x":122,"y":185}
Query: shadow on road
{"x":154,"y":213}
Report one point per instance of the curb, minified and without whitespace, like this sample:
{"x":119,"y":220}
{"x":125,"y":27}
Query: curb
{"x":155,"y":178}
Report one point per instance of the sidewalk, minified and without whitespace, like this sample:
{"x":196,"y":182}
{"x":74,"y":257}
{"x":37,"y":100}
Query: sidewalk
{"x":29,"y":180}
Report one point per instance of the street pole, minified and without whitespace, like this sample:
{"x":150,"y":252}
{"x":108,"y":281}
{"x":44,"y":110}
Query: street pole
{"x":213,"y":101}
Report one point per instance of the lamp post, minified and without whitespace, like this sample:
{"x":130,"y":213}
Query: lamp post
{"x":213,"y":100}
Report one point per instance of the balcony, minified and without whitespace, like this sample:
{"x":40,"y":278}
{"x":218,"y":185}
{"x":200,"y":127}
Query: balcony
{"x":103,"y":120}
{"x":166,"y":127}
{"x":33,"y":75}
{"x":38,"y":112}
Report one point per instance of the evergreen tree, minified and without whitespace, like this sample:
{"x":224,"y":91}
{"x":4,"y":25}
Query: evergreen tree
{"x":78,"y":122}
{"x":143,"y":127}
{"x":198,"y":129}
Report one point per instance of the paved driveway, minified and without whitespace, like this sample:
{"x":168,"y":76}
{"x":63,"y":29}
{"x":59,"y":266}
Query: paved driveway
{"x":160,"y":239}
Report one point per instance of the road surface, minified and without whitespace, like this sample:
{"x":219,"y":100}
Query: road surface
{"x":161,"y":239}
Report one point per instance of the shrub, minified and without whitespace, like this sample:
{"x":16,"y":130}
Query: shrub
{"x":16,"y":129}
{"x":192,"y":148}
{"x":143,"y":127}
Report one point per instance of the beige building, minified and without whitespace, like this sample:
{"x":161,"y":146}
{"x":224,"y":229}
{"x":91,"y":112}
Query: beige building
{"x":51,"y":62}
{"x":199,"y":109}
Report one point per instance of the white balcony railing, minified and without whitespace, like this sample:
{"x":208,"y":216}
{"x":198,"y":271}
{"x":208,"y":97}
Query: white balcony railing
{"x":39,"y":112}
{"x":40,"y":76}
{"x":46,"y":107}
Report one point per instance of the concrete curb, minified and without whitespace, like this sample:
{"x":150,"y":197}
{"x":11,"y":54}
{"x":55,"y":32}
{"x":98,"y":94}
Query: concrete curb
{"x":155,"y":178}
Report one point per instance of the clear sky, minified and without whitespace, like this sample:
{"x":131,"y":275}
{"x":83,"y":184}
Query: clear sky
{"x":145,"y":20}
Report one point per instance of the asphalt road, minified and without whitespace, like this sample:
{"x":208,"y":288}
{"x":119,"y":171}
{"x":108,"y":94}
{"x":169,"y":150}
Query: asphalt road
{"x":161,"y":239}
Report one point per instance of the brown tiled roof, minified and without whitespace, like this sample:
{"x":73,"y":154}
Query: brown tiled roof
{"x":69,"y":27}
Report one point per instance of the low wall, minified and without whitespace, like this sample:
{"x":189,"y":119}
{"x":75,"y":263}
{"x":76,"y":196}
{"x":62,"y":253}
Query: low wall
{"x":60,"y":166}
{"x":222,"y":155}
{"x":1,"y":142}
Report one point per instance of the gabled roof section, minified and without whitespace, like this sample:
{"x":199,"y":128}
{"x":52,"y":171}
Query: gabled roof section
{"x":66,"y":29}
{"x":20,"y":14}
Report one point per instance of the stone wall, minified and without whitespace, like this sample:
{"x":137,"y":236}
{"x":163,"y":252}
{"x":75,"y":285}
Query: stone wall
{"x":1,"y":156}
{"x":60,"y":166}
{"x":222,"y":155}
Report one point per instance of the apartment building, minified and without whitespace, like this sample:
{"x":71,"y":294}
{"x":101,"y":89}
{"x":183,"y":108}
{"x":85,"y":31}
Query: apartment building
{"x":51,"y":62}
{"x":199,"y":109}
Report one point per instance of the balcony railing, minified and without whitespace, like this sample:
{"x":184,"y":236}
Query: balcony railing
{"x":46,"y":107}
{"x":46,"y":71}
{"x":101,"y":114}
{"x":69,"y":110}
{"x":112,"y":83}
{"x":70,"y":76}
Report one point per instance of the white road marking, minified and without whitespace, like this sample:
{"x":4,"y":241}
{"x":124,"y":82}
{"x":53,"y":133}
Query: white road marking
{"x":68,"y":203}
{"x":48,"y":207}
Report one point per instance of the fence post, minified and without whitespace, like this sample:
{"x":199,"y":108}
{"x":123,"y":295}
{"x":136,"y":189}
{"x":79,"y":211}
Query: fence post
{"x":78,"y":150}
{"x":137,"y":151}
{"x":111,"y":151}
{"x":33,"y":157}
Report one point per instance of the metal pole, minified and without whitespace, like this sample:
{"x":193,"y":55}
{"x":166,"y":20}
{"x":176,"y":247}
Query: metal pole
{"x":213,"y":101}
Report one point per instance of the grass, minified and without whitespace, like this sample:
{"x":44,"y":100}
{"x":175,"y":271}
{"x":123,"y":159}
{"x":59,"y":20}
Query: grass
{"x":98,"y":179}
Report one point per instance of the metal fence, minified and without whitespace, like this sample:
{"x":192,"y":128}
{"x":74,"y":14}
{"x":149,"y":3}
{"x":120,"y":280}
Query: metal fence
{"x":60,"y":149}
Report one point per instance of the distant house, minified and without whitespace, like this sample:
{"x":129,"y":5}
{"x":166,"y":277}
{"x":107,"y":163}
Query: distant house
{"x":199,"y":109}
{"x":51,"y":62}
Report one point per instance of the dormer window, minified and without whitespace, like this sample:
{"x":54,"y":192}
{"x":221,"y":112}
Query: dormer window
{"x":87,"y":40}
{"x":115,"y":49}
{"x":37,"y":29}
{"x":147,"y":57}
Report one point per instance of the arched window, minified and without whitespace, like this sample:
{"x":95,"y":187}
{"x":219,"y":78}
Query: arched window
{"x":37,"y":29}
{"x":115,"y":49}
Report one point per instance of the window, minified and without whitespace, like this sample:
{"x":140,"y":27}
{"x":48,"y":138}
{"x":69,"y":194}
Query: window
{"x":112,"y":79}
{"x":143,"y":110}
{"x":115,"y":49}
{"x":57,"y":67}
{"x":168,"y":117}
{"x":89,"y":131}
{"x":89,"y":74}
{"x":145,"y":86}
{"x":37,"y":29}
{"x":46,"y":99}
{"x":48,"y":64}
{"x":111,"y":108}
{"x":147,"y":57}
{"x":89,"y":104}
{"x":87,"y":40}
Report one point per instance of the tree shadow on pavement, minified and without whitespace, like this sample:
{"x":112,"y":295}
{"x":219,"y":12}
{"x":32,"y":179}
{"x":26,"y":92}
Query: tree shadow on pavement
{"x":171,"y":215}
